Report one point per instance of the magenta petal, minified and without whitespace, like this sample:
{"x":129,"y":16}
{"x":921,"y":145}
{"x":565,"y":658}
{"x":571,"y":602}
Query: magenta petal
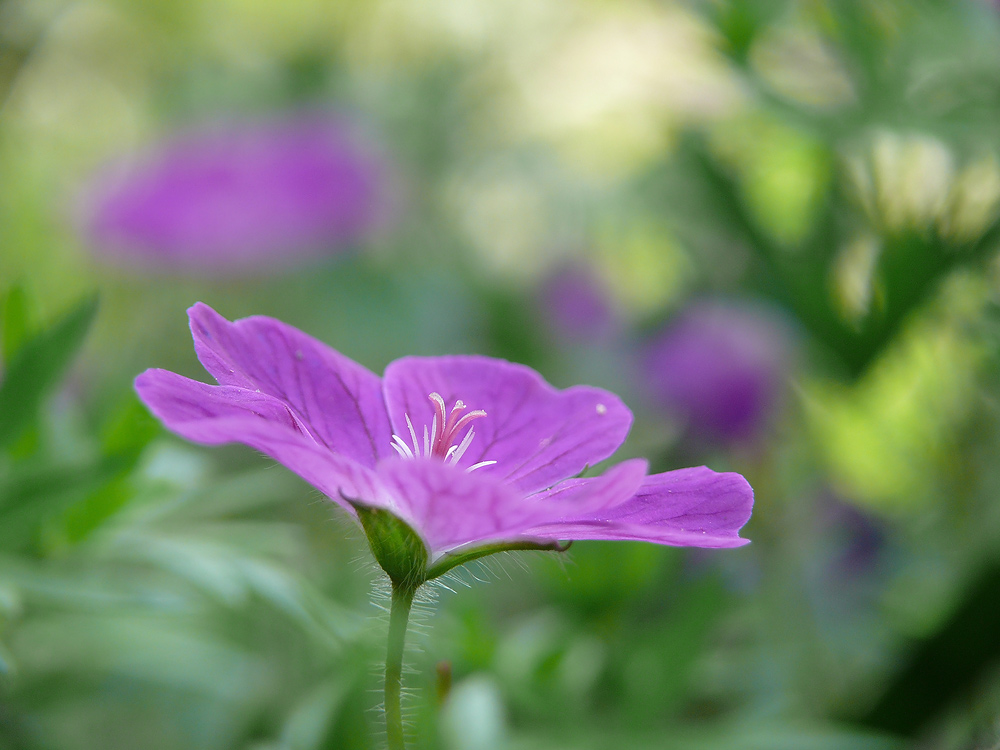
{"x":575,"y":497}
{"x":450,"y":507}
{"x":337,"y":400}
{"x":537,"y":434}
{"x":225,"y":414}
{"x":686,"y":508}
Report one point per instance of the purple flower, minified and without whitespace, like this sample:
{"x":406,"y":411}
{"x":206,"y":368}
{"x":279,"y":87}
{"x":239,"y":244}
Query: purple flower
{"x":859,"y":539}
{"x":239,"y":196}
{"x":576,"y":304}
{"x":472,"y":454}
{"x":721,"y":367}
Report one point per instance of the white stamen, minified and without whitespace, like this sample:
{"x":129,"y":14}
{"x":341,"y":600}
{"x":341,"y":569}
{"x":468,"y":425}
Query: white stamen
{"x":444,"y":428}
{"x":463,"y":446}
{"x":402,"y":444}
{"x":413,"y":434}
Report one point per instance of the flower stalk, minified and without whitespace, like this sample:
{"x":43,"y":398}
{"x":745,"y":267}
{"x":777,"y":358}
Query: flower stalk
{"x":399,"y":615}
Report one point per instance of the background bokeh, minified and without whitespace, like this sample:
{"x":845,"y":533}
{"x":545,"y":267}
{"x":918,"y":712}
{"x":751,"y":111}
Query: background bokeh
{"x":771,"y":226}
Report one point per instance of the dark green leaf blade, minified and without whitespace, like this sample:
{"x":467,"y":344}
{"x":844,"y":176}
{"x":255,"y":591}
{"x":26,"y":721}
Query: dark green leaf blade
{"x":38,"y":366}
{"x":18,"y":322}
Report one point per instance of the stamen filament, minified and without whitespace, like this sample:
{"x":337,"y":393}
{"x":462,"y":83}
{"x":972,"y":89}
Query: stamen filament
{"x":413,"y":435}
{"x":452,"y":425}
{"x":441,"y":411}
{"x":463,"y":446}
{"x":439,"y":441}
{"x":398,"y":441}
{"x":460,"y":424}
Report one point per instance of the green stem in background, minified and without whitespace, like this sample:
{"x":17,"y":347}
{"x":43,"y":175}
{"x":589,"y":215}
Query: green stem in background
{"x":399,"y":615}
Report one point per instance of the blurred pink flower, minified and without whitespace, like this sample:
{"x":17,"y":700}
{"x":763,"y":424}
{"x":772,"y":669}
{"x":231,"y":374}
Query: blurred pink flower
{"x":576,"y":304}
{"x":721,"y":367}
{"x":239,"y":195}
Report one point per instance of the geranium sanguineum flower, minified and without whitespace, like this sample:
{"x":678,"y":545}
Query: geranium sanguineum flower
{"x":469,"y":451}
{"x":443,"y":459}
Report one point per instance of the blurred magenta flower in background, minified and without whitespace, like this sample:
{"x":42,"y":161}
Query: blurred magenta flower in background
{"x":239,"y":195}
{"x":391,"y":444}
{"x":721,"y":367}
{"x":576,"y":304}
{"x":860,"y":539}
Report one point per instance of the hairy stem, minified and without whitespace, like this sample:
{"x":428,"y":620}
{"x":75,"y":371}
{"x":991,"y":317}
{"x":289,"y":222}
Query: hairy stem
{"x":399,"y":614}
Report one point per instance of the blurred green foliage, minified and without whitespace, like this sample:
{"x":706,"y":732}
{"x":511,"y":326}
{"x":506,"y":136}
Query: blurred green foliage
{"x":837,"y":157}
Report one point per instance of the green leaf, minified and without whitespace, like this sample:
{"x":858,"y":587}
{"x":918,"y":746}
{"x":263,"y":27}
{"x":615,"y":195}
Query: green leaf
{"x":37,"y":367}
{"x":309,"y":721}
{"x":6,"y":661}
{"x":17,"y":322}
{"x":129,"y":431}
{"x":33,"y":495}
{"x":82,"y":518}
{"x":123,"y":440}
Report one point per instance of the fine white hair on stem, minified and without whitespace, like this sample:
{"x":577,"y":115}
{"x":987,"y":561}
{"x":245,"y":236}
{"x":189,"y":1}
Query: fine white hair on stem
{"x":439,"y":583}
{"x":486,"y":569}
{"x":417,"y":633}
{"x":454,"y":578}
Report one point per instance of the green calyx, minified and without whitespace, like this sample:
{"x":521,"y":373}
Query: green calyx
{"x":404,"y":557}
{"x":396,"y":546}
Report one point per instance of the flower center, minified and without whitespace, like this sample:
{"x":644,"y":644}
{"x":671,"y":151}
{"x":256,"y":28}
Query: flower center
{"x":439,"y":440}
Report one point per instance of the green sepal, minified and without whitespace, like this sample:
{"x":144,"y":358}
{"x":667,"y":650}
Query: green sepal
{"x":396,"y":546}
{"x":454,"y":559}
